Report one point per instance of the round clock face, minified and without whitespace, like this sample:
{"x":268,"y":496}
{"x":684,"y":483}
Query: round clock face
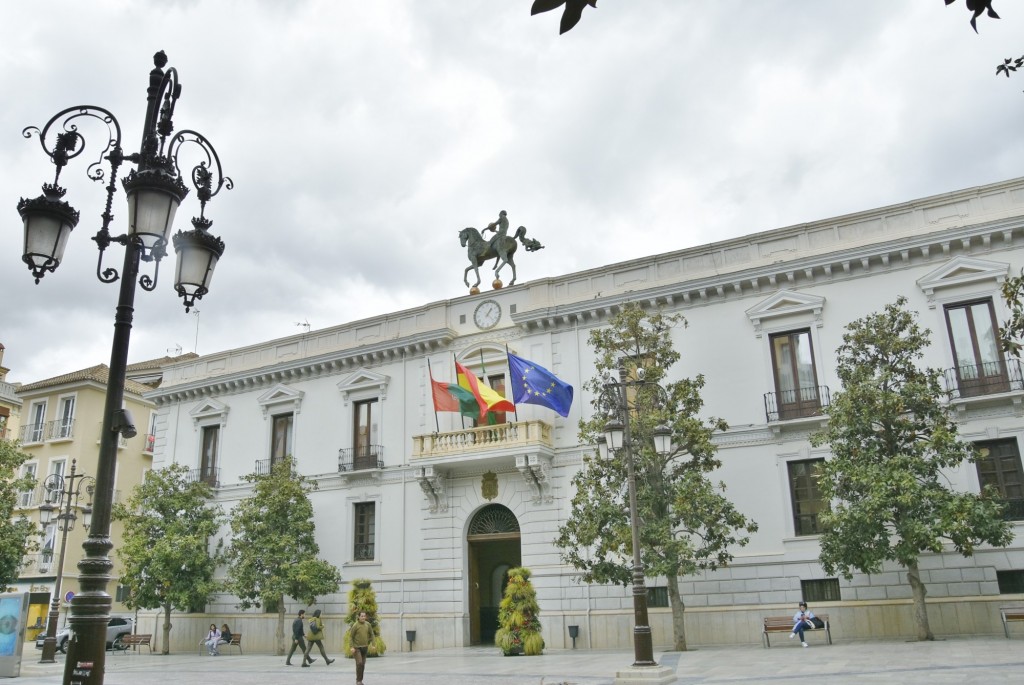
{"x":487,"y":314}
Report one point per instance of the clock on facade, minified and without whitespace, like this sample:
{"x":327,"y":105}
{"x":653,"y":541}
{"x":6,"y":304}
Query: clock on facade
{"x":487,"y":314}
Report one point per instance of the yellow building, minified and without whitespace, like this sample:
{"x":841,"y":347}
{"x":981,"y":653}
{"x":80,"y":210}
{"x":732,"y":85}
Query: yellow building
{"x":61,"y":420}
{"x":10,"y":404}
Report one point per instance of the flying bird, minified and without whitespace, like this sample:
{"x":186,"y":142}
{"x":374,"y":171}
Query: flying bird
{"x":570,"y":16}
{"x":978,"y":6}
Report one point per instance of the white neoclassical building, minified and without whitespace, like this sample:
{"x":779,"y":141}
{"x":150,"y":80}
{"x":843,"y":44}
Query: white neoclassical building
{"x":434,"y":513}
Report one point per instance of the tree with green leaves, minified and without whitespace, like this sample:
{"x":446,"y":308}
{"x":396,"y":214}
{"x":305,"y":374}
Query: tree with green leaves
{"x":273,"y":552}
{"x":361,"y":597}
{"x":1012,"y":330}
{"x":17,"y":535}
{"x":688,"y":523}
{"x":165,"y":551}
{"x":892,"y":437}
{"x":519,"y":617}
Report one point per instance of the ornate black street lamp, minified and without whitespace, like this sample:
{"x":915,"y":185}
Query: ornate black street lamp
{"x":620,"y":399}
{"x":62,"y":496}
{"x":154,"y":190}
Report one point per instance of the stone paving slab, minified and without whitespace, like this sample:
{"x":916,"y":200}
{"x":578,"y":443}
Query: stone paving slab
{"x":959,"y":661}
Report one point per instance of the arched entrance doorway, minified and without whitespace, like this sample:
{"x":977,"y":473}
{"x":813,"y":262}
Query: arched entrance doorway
{"x":493,"y":548}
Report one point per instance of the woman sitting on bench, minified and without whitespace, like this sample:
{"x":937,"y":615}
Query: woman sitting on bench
{"x":802,"y":620}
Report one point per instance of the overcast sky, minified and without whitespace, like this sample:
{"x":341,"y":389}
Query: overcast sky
{"x":362,"y":136}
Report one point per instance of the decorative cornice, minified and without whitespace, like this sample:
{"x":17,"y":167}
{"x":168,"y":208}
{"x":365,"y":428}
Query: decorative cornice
{"x":844,"y":262}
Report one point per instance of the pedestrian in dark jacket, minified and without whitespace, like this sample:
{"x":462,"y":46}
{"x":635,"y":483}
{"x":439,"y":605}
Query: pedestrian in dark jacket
{"x":298,"y":640}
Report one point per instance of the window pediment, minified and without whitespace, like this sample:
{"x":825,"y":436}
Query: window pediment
{"x":786,"y":303}
{"x":207,"y":410}
{"x":364,"y":383}
{"x":281,"y":396}
{"x":963,"y":271}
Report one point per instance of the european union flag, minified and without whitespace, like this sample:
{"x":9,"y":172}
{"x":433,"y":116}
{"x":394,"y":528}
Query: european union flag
{"x":533,"y":384}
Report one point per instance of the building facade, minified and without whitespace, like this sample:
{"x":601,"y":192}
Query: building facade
{"x":62,"y":420}
{"x":434,"y":513}
{"x":10,"y":404}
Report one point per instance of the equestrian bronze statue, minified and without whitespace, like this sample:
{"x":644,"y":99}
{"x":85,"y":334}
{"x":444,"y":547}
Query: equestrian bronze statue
{"x":500,"y":247}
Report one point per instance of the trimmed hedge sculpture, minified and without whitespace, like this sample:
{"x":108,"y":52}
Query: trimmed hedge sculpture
{"x":519,"y":617}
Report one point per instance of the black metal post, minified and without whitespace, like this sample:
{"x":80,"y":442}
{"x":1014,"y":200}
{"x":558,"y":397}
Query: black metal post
{"x":90,"y":609}
{"x":66,"y":493}
{"x":643,"y":643}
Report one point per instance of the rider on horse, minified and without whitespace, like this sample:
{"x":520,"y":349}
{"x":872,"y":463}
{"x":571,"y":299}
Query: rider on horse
{"x":497,"y":242}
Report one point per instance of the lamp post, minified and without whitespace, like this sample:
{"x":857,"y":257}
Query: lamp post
{"x":62,"y":495}
{"x":618,"y":440}
{"x":154,"y":189}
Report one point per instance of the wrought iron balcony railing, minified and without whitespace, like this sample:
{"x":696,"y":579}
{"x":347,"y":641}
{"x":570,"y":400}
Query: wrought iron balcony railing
{"x":990,"y":378}
{"x":363,"y":551}
{"x":361,"y":458}
{"x":469,"y":441}
{"x":796,"y":404}
{"x":150,"y":443}
{"x":210,"y":476}
{"x":32,"y":432}
{"x":263,"y":466}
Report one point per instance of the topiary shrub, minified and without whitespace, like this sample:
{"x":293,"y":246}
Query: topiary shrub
{"x":519,"y":617}
{"x":362,"y":598}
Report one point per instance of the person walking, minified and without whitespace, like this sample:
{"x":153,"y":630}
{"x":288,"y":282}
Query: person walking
{"x":802,"y":620}
{"x":298,"y":641}
{"x":359,"y":636}
{"x":316,"y":636}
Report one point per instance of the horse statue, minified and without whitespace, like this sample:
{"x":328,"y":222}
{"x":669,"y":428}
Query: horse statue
{"x":501,"y":249}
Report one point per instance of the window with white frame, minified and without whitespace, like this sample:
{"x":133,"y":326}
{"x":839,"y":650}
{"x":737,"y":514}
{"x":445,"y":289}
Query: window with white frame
{"x":26,"y":498}
{"x":281,"y":429}
{"x":65,"y":425}
{"x":805,"y":496}
{"x":974,"y":338}
{"x":796,"y":379}
{"x":33,"y":430}
{"x":365,"y":531}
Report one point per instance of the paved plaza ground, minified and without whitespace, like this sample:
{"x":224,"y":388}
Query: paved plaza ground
{"x":961,"y":661}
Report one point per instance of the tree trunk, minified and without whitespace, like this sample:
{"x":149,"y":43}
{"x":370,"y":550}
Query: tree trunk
{"x":279,"y":633}
{"x":924,"y":632}
{"x":167,"y":630}
{"x":678,"y":609}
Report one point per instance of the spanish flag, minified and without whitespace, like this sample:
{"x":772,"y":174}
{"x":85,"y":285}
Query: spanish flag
{"x":486,"y":397}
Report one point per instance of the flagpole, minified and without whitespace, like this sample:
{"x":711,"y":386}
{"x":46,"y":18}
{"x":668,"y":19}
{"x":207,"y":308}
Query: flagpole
{"x":515,"y":406}
{"x":437,"y":426}
{"x":462,"y":417}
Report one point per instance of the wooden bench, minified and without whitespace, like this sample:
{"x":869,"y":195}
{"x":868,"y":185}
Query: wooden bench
{"x":784,"y":624}
{"x":1010,"y":614}
{"x":236,"y":641}
{"x":126,"y":642}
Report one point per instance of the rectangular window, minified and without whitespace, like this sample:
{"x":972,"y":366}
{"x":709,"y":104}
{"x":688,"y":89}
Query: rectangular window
{"x":999,"y":470}
{"x":973,"y":334}
{"x":796,"y":380}
{"x":281,"y":437}
{"x":37,"y":419}
{"x":806,"y":498}
{"x":823,"y":590}
{"x":365,"y":435}
{"x":121,"y":594}
{"x":57,"y":466}
{"x":66,"y":419}
{"x":365,"y":531}
{"x":1010,"y":582}
{"x":657,"y":597}
{"x":151,"y":435}
{"x":208,"y":460}
{"x":26,"y":498}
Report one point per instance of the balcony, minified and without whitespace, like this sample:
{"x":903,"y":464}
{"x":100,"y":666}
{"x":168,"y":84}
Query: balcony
{"x":362,"y":458}
{"x":61,"y":429}
{"x":43,"y":562}
{"x":150,"y":444}
{"x":210,"y":476}
{"x":502,"y":442}
{"x":978,"y":380}
{"x":31,"y":432}
{"x":799,"y":403}
{"x":263,"y":466}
